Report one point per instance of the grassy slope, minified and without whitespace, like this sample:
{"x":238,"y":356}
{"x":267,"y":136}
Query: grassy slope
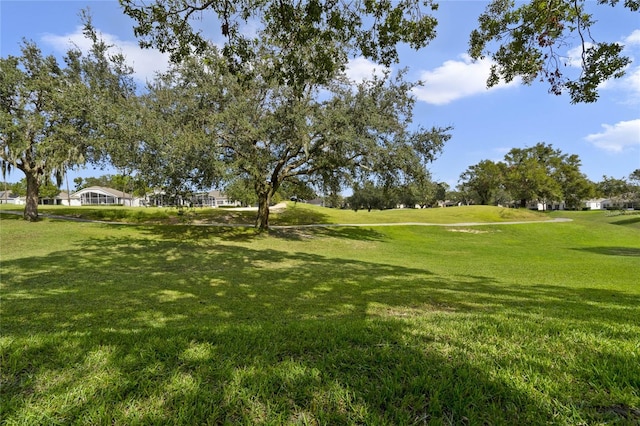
{"x":295,"y":214}
{"x":303,"y":213}
{"x":526,"y":324}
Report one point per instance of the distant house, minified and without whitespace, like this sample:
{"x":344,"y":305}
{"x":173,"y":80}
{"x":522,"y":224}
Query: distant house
{"x":157,"y":198}
{"x":594,"y":204}
{"x":62,"y":199}
{"x":98,"y":196}
{"x":447,"y":203}
{"x":538,"y":205}
{"x":213,"y":198}
{"x":548,"y":206}
{"x":619,"y":203}
{"x":7,"y":197}
{"x":316,"y":202}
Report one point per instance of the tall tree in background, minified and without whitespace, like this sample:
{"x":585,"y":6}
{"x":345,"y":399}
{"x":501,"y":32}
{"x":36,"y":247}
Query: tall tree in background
{"x":528,"y":39}
{"x":49,"y":113}
{"x":370,"y":196}
{"x":634,"y":181}
{"x":616,"y":190}
{"x":544,"y":174}
{"x":529,"y":174}
{"x":524,"y":176}
{"x":574,"y":184}
{"x":418,"y":192}
{"x":482,"y":181}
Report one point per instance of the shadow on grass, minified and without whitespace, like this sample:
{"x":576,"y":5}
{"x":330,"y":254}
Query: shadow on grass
{"x":188,"y":233}
{"x":629,"y":221}
{"x":349,"y":233}
{"x":10,"y":216}
{"x":183,"y":330}
{"x":193,"y":233}
{"x":612,"y":251}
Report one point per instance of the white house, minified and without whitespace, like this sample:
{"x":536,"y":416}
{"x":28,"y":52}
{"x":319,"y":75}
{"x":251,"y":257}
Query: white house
{"x":98,"y":196}
{"x":543,"y":206}
{"x":619,"y":203}
{"x":213,"y":198}
{"x":7,"y":197}
{"x":62,"y":199}
{"x":595,"y":204}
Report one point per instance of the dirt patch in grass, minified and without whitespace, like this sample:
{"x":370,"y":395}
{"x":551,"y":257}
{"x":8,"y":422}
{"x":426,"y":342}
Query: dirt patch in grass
{"x":469,"y":231}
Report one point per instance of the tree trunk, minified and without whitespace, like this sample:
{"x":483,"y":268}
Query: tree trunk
{"x":33,"y":192}
{"x":262,"y":221}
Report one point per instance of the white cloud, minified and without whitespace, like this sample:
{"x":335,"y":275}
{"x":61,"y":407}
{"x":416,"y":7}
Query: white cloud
{"x":631,"y":81}
{"x":456,"y":79}
{"x":145,"y":62}
{"x":574,"y":55}
{"x":360,"y":69}
{"x":633,"y":38}
{"x":617,"y":137}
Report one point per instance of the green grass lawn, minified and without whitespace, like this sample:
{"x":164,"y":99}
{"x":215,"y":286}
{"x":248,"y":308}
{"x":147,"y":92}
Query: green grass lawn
{"x":153,"y":324}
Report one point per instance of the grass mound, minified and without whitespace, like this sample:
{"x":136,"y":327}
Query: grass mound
{"x":462,"y":214}
{"x":294,"y":214}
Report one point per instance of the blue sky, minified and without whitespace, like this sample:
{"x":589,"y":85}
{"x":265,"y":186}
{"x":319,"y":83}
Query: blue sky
{"x":487,"y":123}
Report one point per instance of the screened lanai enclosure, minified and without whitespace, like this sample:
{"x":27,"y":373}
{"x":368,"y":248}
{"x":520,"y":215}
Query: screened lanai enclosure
{"x":213,"y":198}
{"x":97,"y":198}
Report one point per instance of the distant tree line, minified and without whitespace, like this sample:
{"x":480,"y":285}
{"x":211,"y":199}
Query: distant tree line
{"x":540,"y":174}
{"x":417,"y":194}
{"x":485,"y":183}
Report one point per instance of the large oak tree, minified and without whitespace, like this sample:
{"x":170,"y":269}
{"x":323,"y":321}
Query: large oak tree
{"x":54,"y":117}
{"x":224,"y":125}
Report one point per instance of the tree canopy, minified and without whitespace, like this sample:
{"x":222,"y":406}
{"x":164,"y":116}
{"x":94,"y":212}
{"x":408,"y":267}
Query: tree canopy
{"x":313,"y":37}
{"x":539,"y":173}
{"x":524,"y":39}
{"x":238,"y":129}
{"x":482,"y":180}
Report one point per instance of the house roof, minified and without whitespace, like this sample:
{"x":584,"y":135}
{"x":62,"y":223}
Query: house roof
{"x":4,"y":195}
{"x":213,"y":194}
{"x":64,"y":195}
{"x":103,"y":190}
{"x":217,"y":194}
